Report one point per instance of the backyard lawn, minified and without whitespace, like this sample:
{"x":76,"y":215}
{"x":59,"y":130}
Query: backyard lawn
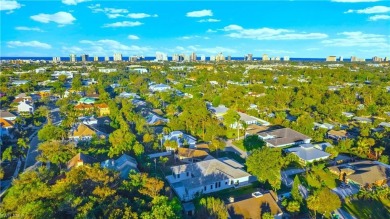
{"x":373,"y":209}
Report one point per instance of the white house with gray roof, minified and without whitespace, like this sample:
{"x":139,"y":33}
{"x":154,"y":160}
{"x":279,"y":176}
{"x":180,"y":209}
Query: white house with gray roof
{"x":283,"y":137}
{"x":212,"y":175}
{"x":308,"y":153}
{"x":181,"y":139}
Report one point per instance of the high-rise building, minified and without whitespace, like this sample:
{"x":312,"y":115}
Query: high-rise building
{"x":175,"y":57}
{"x":212,"y":58}
{"x":106,"y":58}
{"x":265,"y":57}
{"x":286,"y":58}
{"x":229,"y":58}
{"x":277,"y":58}
{"x":202,"y":58}
{"x":161,"y":56}
{"x":353,"y":58}
{"x":341,"y":59}
{"x":72,"y":58}
{"x":56,"y":59}
{"x":117,"y":57}
{"x":84,"y":58}
{"x":331,"y":58}
{"x":220,"y":57}
{"x":193,"y":57}
{"x":376,"y":59}
{"x":95,"y":59}
{"x":186,"y":58}
{"x":386,"y":59}
{"x":250,"y":57}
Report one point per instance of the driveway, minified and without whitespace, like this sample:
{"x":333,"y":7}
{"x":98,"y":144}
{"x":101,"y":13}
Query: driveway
{"x":230,"y":147}
{"x":286,"y":179}
{"x":345,"y":192}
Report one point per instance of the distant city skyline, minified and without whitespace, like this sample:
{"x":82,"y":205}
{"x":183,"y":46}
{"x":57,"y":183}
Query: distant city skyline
{"x":312,"y":29}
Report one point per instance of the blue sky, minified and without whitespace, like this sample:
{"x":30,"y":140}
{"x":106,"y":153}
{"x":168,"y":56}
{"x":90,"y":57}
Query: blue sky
{"x":277,"y":28}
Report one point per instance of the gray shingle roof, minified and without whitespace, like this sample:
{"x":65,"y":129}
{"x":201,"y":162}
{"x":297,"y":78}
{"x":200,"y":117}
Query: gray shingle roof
{"x":283,"y":136}
{"x":308,"y":153}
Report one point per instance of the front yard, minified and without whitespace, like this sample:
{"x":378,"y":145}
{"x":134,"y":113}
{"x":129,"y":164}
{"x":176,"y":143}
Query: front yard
{"x":373,"y":209}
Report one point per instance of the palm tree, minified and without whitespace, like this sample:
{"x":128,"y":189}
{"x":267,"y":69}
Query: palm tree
{"x":379,"y":151}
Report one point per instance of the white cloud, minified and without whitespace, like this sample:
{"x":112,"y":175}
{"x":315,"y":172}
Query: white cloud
{"x":132,"y":37}
{"x":269,"y":34}
{"x":29,"y":29}
{"x":201,"y":13}
{"x":109,"y":12}
{"x":73,"y":2}
{"x":210,"y":20}
{"x":124,"y":24}
{"x":35,"y":44}
{"x":72,"y":49}
{"x":61,"y":18}
{"x":211,"y":31}
{"x":109,"y":47}
{"x":140,"y":15}
{"x":371,"y":10}
{"x":9,"y":5}
{"x":232,"y":27}
{"x":354,"y":1}
{"x":379,"y":17}
{"x":192,"y":37}
{"x":358,"y":39}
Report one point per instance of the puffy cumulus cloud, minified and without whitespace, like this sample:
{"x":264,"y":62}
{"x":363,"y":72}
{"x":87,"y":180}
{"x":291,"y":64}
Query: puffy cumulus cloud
{"x":34,"y":43}
{"x":201,"y":13}
{"x":9,"y":5}
{"x":132,"y":37}
{"x":61,"y":18}
{"x":109,"y":47}
{"x":124,"y":24}
{"x":73,"y":2}
{"x":210,"y":20}
{"x":265,"y":33}
{"x":358,"y":39}
{"x":379,"y":17}
{"x":29,"y":29}
{"x":140,"y":15}
{"x":211,"y":31}
{"x":371,"y":10}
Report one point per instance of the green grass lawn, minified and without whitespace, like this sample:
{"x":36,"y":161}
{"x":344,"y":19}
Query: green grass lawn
{"x":372,"y":209}
{"x":239,"y":144}
{"x":232,"y":192}
{"x":319,"y":177}
{"x":230,"y":155}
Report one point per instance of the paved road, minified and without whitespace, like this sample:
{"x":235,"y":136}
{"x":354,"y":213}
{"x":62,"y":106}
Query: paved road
{"x":343,"y":214}
{"x":33,"y":150}
{"x":232,"y":148}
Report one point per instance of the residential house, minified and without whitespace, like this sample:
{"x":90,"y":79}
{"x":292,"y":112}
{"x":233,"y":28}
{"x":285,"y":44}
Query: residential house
{"x":362,"y":173}
{"x":19,"y":82}
{"x":44,"y":93}
{"x":159,"y":87}
{"x":5,"y":127}
{"x":249,"y":120}
{"x":188,"y":155}
{"x":129,"y":95}
{"x":87,"y":100}
{"x":348,"y":114}
{"x":254,"y":207}
{"x":124,"y":164}
{"x":192,"y":180}
{"x":25,"y":107}
{"x":308,"y":153}
{"x":323,"y":125}
{"x":7,"y":115}
{"x":88,"y":120}
{"x":218,"y":111}
{"x":80,"y":159}
{"x":338,"y":135}
{"x":103,"y":109}
{"x":153,"y":119}
{"x":84,"y":108}
{"x":362,"y":119}
{"x":82,"y":132}
{"x":181,"y":139}
{"x":283,"y":137}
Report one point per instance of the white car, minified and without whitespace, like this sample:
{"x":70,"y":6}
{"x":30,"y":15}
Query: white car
{"x":257,"y":194}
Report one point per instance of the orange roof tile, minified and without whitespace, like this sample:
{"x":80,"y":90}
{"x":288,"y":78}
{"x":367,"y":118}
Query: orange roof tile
{"x":6,"y":124}
{"x":101,"y":105}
